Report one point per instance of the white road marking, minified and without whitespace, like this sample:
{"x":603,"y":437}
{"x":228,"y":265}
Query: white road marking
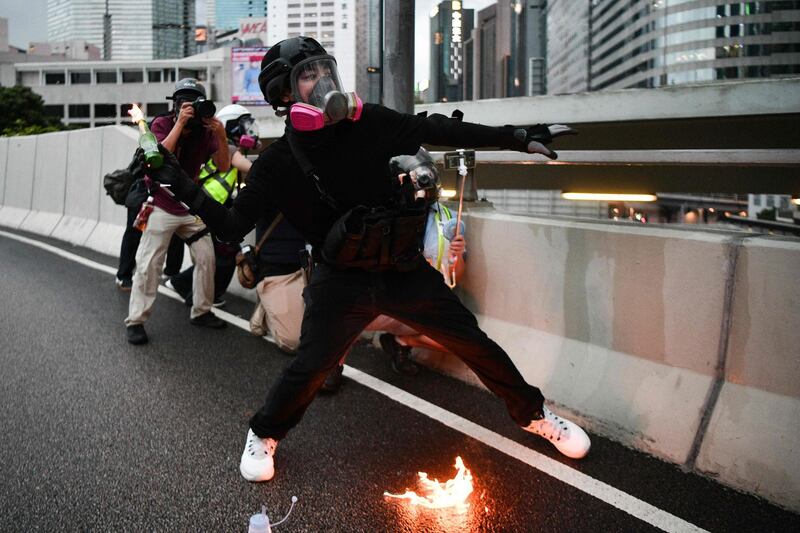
{"x":602,"y":491}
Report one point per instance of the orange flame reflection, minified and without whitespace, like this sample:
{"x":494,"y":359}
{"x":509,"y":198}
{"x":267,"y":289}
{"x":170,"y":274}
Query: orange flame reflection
{"x":136,"y":114}
{"x":434,"y":495}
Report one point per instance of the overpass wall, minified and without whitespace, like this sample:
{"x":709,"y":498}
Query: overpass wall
{"x":677,"y":342}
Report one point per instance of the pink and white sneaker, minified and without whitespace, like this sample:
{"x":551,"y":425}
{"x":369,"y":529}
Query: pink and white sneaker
{"x":566,"y":436}
{"x":257,"y":458}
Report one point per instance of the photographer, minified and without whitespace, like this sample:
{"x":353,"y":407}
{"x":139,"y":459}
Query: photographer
{"x":241,"y":132}
{"x":192,"y":135}
{"x":329,"y":176}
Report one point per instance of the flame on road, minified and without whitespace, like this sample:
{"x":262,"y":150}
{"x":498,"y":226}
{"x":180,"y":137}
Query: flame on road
{"x":136,"y":114}
{"x":435,"y":495}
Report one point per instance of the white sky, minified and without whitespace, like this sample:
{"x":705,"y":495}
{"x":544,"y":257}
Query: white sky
{"x":24,"y":28}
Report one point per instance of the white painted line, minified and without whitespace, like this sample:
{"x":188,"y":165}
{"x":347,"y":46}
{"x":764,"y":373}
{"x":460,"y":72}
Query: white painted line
{"x":602,"y":491}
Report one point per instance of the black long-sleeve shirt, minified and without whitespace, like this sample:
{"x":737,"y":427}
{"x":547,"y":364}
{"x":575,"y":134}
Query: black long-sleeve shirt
{"x":352,"y":161}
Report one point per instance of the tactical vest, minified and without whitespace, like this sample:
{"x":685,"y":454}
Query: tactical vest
{"x":218,"y":185}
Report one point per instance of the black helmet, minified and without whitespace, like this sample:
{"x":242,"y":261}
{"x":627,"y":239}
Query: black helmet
{"x":189,"y":87}
{"x":278,"y":62}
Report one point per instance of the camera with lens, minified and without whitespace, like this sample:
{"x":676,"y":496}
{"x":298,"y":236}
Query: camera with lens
{"x":423,"y":177}
{"x":204,"y":108}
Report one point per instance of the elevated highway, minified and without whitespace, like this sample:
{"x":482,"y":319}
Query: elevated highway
{"x":679,"y":343}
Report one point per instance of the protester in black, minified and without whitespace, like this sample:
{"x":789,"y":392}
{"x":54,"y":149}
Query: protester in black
{"x":350,"y":159}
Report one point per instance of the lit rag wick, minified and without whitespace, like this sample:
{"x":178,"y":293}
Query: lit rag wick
{"x":435,"y":495}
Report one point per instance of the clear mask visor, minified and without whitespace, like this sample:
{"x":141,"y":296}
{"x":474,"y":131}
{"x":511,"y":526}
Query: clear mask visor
{"x":248,"y":126}
{"x":314,"y":79}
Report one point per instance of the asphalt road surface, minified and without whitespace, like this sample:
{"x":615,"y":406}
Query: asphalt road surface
{"x":99,"y":435}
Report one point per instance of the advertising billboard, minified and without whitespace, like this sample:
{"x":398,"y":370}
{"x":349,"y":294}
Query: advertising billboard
{"x":245,"y":67}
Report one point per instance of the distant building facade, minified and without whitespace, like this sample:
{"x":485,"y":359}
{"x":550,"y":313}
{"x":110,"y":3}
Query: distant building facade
{"x":567,"y":46}
{"x":450,"y":27}
{"x":125,"y":30}
{"x":619,"y":44}
{"x":226,"y":14}
{"x":509,"y":50}
{"x":331,"y":23}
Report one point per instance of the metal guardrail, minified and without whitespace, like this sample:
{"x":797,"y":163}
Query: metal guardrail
{"x":642,"y":157}
{"x":770,"y":171}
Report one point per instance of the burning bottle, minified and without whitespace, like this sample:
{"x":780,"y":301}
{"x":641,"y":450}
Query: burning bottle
{"x":147,"y":141}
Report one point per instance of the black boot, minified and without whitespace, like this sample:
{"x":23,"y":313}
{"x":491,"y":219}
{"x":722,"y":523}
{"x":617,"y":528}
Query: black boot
{"x":208,"y":320}
{"x":136,"y":334}
{"x":401,"y":363}
{"x":334,"y":380}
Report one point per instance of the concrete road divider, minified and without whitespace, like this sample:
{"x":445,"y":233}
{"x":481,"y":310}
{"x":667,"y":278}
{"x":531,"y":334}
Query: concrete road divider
{"x":20,"y":162}
{"x":679,"y":342}
{"x":49,"y":183}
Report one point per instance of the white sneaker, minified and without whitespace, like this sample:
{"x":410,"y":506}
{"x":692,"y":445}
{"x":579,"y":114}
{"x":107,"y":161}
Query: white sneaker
{"x":566,"y":436}
{"x":257,"y":464}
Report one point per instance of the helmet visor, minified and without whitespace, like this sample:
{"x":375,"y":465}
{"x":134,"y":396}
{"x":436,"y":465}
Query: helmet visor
{"x":313,"y":79}
{"x":248,"y":126}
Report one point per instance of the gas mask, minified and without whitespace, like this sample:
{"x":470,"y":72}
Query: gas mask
{"x":426,"y":182}
{"x":317,"y":91}
{"x":247,"y":130}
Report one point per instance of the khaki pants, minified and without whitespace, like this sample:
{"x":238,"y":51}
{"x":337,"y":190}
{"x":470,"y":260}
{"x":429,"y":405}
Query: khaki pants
{"x":150,"y":260}
{"x":280,"y":309}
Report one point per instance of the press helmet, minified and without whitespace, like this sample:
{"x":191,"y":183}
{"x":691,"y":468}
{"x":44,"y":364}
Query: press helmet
{"x":240,"y":126}
{"x":189,"y":88}
{"x":277,"y":63}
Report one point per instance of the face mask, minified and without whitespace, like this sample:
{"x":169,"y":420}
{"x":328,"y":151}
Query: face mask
{"x":337,"y":106}
{"x":247,"y":142}
{"x":247,"y":130}
{"x":326,"y":103}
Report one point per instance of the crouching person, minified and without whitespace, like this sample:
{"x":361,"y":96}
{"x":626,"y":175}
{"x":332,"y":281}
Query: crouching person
{"x":281,"y":281}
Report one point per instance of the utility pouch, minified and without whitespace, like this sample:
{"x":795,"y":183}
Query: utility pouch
{"x":376,"y":240}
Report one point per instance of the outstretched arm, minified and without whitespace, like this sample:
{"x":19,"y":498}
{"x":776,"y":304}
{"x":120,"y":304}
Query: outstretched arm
{"x":409,"y":131}
{"x":230,"y":225}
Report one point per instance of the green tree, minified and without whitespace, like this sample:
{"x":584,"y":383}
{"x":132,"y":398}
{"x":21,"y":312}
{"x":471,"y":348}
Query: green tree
{"x":22,"y":113}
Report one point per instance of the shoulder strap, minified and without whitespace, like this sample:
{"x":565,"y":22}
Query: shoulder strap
{"x":271,"y":227}
{"x":308,"y":170}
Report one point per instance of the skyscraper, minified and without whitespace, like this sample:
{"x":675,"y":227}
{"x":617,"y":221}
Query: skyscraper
{"x":451,"y":25}
{"x":368,"y":50}
{"x":667,"y":42}
{"x":510,"y":43}
{"x":333,"y":24}
{"x":567,"y":46}
{"x":151,"y":29}
{"x":227,"y":13}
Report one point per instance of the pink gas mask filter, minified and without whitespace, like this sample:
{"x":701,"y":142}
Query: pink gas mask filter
{"x":338,"y":106}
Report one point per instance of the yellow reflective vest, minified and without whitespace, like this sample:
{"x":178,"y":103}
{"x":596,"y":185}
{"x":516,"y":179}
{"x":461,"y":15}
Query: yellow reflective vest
{"x":218,"y":185}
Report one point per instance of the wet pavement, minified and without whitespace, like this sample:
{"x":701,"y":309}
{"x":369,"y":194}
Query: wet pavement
{"x":99,"y":435}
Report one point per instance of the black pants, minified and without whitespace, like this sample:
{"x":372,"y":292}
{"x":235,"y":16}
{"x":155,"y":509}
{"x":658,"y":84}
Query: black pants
{"x":226,"y":266}
{"x":130,"y":243}
{"x":340,"y":303}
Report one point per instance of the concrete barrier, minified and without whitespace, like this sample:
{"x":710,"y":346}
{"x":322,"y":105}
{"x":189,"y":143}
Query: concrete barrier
{"x":118,"y":145}
{"x":20,"y":160}
{"x":619,"y":323}
{"x":49,"y":183}
{"x":624,"y":327}
{"x":753,"y":436}
{"x":681,"y":343}
{"x":82,"y":196}
{"x":3,"y":159}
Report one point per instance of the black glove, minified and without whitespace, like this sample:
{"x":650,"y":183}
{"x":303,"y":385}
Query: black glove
{"x":172,"y":175}
{"x":534,"y":138}
{"x":169,"y":173}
